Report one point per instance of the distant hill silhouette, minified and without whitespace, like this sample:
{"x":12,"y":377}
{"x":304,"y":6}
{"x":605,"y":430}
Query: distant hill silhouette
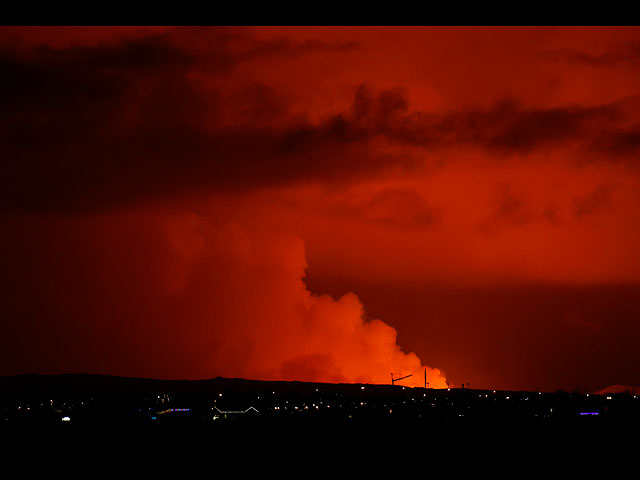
{"x":619,"y":389}
{"x":94,"y":400}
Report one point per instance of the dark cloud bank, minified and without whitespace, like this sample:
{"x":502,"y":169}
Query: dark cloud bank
{"x":146,"y":117}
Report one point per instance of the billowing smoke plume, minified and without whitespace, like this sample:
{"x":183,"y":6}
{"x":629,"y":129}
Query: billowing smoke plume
{"x":177,"y":296}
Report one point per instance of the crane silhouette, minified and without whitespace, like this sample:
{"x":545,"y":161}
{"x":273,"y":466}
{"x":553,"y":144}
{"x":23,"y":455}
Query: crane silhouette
{"x":394,"y":380}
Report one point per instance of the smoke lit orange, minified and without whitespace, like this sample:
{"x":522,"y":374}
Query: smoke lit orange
{"x":322,"y":204}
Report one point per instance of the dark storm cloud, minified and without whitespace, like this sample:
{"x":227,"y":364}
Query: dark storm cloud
{"x":621,"y":142}
{"x":510,"y":209}
{"x":100,"y":125}
{"x":506,"y":126}
{"x":89,"y":127}
{"x":598,"y":199}
{"x":625,"y":56}
{"x":286,"y":46}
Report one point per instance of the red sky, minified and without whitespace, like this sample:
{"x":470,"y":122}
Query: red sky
{"x":327,"y":204}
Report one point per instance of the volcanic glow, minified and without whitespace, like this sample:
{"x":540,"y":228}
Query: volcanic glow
{"x":172,"y":295}
{"x":318,"y":203}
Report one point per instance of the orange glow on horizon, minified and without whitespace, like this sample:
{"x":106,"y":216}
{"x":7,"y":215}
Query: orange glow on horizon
{"x":322,"y":204}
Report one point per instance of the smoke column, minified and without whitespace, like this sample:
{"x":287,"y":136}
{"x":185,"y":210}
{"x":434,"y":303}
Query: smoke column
{"x":177,"y":296}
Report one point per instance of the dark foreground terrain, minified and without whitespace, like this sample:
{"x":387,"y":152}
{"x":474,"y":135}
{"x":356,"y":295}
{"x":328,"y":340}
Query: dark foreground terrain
{"x":91,"y":423}
{"x":92,"y":400}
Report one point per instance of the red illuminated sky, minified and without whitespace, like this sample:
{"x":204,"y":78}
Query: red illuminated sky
{"x":326,"y":204}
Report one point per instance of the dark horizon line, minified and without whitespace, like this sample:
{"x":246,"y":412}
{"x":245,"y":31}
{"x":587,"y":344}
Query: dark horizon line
{"x":4,"y":378}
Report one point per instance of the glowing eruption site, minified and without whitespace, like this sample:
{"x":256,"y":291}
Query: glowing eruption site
{"x":173,"y":296}
{"x":326,"y":204}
